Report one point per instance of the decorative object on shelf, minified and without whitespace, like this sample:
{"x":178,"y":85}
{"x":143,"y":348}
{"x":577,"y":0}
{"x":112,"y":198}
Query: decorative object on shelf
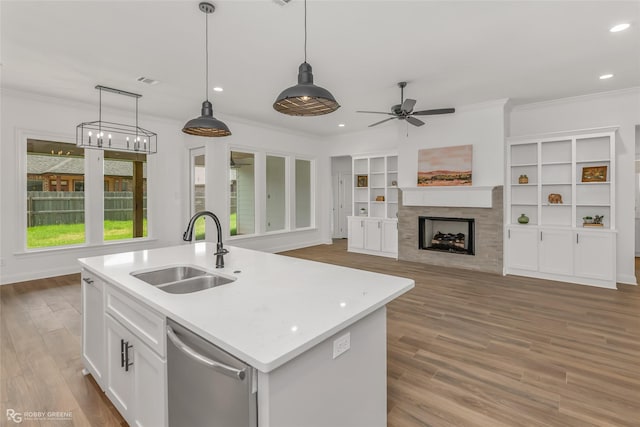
{"x":363,"y":181}
{"x":305,"y":98}
{"x":594,"y":174}
{"x":206,"y":124}
{"x":112,"y":136}
{"x":523,"y":179}
{"x":595,"y":221}
{"x":555,"y":198}
{"x":379,"y":198}
{"x":394,"y":183}
{"x":447,"y":166}
{"x":523,"y":219}
{"x":363,"y":211}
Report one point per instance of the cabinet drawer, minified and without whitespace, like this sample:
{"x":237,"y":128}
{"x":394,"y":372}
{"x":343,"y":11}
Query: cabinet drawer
{"x":146,"y":324}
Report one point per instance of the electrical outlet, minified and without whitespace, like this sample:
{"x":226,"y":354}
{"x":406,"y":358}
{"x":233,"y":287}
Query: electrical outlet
{"x":341,"y":344}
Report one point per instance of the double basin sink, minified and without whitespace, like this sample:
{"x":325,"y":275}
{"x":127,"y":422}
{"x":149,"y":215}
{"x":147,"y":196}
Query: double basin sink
{"x":182,"y":279}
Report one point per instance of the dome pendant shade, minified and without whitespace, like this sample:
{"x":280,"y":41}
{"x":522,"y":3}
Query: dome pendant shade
{"x":206,"y":124}
{"x":305,"y":98}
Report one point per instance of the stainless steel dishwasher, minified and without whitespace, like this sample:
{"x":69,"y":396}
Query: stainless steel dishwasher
{"x":207,"y":386}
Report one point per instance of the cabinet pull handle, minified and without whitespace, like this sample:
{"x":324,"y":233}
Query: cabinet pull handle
{"x":378,"y":224}
{"x":126,"y":356}
{"x":577,"y":238}
{"x":121,"y":353}
{"x":361,"y":223}
{"x":541,"y":236}
{"x":508,"y":234}
{"x":87,"y":280}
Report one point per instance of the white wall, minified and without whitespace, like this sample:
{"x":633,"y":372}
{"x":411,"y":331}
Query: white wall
{"x":481,"y":125}
{"x":27,"y":115}
{"x":621,"y":108}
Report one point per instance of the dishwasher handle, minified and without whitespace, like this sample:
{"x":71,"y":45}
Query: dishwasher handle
{"x":238,"y":374}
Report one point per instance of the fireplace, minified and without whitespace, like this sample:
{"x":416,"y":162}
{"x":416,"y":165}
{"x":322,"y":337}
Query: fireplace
{"x":452,"y":235}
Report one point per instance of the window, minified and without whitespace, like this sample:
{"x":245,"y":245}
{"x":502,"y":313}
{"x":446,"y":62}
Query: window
{"x":55,"y":215}
{"x":242,"y":193}
{"x":198,"y":190}
{"x":303,"y":193}
{"x":276,"y":193}
{"x":125,"y":211}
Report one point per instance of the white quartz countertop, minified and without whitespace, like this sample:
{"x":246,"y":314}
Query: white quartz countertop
{"x":278,"y":307}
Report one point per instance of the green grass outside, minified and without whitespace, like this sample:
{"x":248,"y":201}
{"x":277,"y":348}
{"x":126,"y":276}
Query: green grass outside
{"x":42,"y":236}
{"x":233,"y":224}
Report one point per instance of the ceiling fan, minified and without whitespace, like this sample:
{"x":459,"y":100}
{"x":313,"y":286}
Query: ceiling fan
{"x":404,"y":110}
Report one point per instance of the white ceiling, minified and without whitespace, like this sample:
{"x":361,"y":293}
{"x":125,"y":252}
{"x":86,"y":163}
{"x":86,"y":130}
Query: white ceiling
{"x":452,"y":53}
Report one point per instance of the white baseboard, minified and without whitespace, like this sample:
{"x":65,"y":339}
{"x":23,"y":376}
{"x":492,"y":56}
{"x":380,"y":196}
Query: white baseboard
{"x":627,"y":279}
{"x":22,"y":277}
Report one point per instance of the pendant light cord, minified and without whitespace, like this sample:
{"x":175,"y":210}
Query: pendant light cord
{"x":206,"y":44}
{"x":305,"y":30}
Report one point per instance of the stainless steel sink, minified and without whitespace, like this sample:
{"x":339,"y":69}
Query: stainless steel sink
{"x":182,"y":279}
{"x":195,"y":284}
{"x":168,"y":275}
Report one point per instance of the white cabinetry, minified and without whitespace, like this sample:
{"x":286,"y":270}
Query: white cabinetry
{"x":124,"y":349}
{"x":522,"y":248}
{"x":375,"y":205}
{"x":93,"y":326}
{"x":561,"y":182}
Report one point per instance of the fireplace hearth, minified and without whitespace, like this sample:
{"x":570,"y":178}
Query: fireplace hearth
{"x":452,"y":235}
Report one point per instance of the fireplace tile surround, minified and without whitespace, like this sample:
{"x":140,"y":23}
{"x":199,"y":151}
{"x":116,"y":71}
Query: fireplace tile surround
{"x":488,"y":235}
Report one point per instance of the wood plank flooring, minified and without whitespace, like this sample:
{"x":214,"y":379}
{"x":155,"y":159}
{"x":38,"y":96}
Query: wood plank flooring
{"x":464,"y":349}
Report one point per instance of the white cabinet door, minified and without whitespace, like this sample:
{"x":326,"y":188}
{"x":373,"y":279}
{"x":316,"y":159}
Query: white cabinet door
{"x":150,"y":385}
{"x":522,"y":248}
{"x":390,"y":236}
{"x":93,"y":344}
{"x":356,"y":233}
{"x":119,"y":377}
{"x":373,"y":235}
{"x":595,"y":255}
{"x":556,"y":251}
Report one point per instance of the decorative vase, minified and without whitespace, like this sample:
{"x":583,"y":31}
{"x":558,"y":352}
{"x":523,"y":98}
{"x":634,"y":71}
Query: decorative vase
{"x":523,"y":219}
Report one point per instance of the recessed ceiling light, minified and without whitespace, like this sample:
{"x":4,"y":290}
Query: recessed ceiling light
{"x":341,"y":125}
{"x":606,"y":76}
{"x":619,"y":27}
{"x":218,"y":89}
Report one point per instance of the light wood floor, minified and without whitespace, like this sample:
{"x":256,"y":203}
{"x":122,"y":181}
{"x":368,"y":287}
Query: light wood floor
{"x":464,"y":349}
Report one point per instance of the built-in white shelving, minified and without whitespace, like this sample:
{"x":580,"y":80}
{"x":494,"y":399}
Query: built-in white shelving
{"x":578,"y":167}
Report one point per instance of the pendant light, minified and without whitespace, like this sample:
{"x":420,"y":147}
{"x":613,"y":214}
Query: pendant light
{"x":305,"y":98}
{"x":206,"y":124}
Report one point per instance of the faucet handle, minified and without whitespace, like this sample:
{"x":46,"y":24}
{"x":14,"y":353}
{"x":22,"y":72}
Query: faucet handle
{"x":221,"y":251}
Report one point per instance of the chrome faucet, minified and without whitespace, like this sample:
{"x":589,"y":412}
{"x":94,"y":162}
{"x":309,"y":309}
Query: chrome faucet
{"x":220,"y":250}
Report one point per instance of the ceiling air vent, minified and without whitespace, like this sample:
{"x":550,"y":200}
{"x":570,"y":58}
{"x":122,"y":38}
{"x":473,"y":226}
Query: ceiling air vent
{"x":281,"y":2}
{"x":147,"y":80}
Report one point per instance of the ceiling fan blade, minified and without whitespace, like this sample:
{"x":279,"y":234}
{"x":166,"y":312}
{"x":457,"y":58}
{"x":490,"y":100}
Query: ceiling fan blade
{"x":375,"y":112}
{"x":434,"y":112}
{"x":407,"y":105}
{"x":414,"y":121}
{"x":382,"y":121}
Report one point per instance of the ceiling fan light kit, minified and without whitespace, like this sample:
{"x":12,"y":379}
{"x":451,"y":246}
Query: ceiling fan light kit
{"x":206,"y":124}
{"x":404,"y":110}
{"x":305,"y":98}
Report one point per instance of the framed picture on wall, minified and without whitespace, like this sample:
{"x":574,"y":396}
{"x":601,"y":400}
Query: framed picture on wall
{"x":363,"y":181}
{"x":446,"y":166}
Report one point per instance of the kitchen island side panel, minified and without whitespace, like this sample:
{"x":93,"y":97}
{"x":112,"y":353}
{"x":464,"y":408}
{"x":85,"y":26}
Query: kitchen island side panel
{"x":316,"y":390}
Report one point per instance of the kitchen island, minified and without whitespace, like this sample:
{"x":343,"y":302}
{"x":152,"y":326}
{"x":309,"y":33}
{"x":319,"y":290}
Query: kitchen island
{"x":314,"y":334}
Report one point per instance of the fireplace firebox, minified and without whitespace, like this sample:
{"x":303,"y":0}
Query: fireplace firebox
{"x":452,"y":235}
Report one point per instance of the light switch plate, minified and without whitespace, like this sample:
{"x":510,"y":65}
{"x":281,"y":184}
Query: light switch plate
{"x":341,"y":344}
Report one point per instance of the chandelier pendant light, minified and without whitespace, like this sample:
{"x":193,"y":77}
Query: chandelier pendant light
{"x":305,"y":98}
{"x":206,"y":124}
{"x":103,"y":135}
